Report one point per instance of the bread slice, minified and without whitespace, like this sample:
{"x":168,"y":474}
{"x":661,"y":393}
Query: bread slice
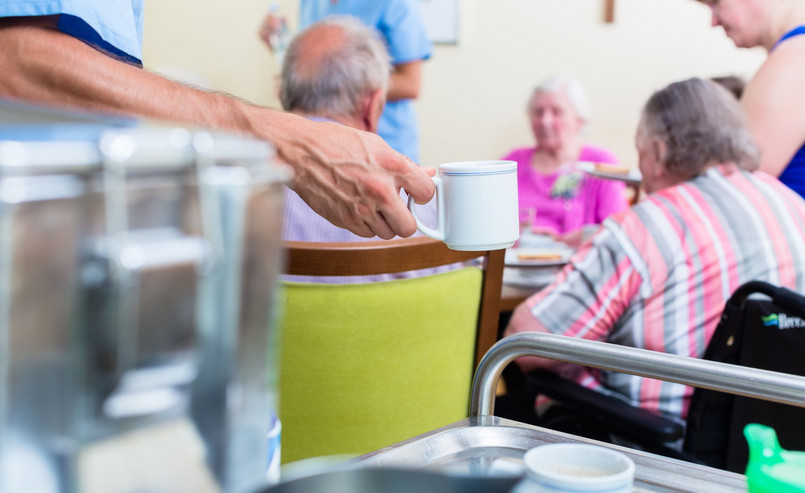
{"x":540,"y":255}
{"x":611,"y":168}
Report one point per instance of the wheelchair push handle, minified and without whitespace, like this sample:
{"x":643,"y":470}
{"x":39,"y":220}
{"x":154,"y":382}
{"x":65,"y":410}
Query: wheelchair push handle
{"x":785,"y":298}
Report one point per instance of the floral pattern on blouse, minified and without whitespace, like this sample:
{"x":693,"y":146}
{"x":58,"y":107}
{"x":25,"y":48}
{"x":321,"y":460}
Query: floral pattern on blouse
{"x":566,"y":185}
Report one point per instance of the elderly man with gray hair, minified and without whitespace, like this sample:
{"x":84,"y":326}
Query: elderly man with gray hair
{"x":335,"y":70}
{"x":657,"y":275}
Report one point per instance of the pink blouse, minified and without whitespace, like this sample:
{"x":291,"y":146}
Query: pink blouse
{"x":569,"y":198}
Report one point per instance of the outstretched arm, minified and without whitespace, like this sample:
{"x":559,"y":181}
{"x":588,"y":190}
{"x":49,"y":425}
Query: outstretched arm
{"x":350,"y":177}
{"x":405,"y":81}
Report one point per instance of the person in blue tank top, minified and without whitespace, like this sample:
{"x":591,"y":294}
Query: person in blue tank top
{"x":402,"y":28}
{"x":774,"y":100}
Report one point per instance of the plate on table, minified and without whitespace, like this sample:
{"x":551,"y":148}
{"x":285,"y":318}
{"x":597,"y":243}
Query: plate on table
{"x":529,"y":278}
{"x":537,"y":257}
{"x":611,"y":172}
{"x":532,"y":240}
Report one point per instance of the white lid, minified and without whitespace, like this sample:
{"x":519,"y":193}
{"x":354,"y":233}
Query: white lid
{"x":477,"y":167}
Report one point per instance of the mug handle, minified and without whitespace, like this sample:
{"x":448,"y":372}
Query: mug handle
{"x":437,"y":233}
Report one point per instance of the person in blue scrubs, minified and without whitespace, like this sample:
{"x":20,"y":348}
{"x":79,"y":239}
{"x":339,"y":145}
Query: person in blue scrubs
{"x":87,"y":54}
{"x":400,"y":24}
{"x":774,"y":99}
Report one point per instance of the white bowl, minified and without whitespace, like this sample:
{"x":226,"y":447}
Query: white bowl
{"x":576,"y":467}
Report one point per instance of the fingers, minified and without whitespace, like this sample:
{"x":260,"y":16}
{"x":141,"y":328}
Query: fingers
{"x":398,"y":219}
{"x":417,"y":182}
{"x":383,"y":228}
{"x":270,"y":26}
{"x":366,"y":222}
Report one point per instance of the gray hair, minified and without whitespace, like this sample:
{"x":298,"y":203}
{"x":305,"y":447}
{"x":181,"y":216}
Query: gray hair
{"x":701,"y":123}
{"x":335,"y":83}
{"x":572,"y":89}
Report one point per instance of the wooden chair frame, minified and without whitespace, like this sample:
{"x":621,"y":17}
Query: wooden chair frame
{"x":391,"y":256}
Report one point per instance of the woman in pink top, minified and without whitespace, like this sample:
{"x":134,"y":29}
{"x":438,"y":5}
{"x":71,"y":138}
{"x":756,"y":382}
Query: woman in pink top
{"x":563,"y":198}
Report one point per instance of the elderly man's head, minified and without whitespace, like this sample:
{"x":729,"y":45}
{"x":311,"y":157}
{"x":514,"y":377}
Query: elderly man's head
{"x":339,"y":69}
{"x":689,"y":126}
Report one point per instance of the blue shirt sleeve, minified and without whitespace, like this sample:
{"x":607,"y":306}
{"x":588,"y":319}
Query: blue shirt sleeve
{"x":113,"y":26}
{"x":401,"y":24}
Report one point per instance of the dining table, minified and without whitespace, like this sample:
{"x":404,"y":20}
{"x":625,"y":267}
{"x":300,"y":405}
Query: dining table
{"x":529,"y":266}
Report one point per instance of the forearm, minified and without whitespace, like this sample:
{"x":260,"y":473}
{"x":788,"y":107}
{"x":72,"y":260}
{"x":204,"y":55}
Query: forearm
{"x":405,"y":81}
{"x":523,"y":321}
{"x":351,"y":178}
{"x":52,"y":68}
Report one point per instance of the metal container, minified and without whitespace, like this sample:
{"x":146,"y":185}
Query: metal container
{"x":137,"y":274}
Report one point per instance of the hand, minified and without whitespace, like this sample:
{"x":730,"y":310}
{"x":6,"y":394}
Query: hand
{"x":352,"y":178}
{"x":271,"y":26}
{"x":577,"y":238}
{"x":573,"y":239}
{"x":543,"y":230}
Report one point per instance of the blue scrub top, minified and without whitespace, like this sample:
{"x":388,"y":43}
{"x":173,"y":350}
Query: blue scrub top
{"x":400,"y":23}
{"x":113,"y":26}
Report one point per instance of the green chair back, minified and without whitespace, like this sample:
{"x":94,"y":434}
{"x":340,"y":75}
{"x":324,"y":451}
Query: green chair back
{"x":363,"y":366}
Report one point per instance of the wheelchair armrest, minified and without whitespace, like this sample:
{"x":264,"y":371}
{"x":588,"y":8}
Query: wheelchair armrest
{"x":620,"y":415}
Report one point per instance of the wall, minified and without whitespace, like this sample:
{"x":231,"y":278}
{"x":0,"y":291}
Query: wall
{"x":215,"y":42}
{"x":472,"y":103}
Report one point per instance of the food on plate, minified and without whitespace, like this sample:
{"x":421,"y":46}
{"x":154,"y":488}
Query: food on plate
{"x":611,"y":168}
{"x":539,"y":255}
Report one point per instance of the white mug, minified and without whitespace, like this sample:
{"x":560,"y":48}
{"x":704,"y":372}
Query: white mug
{"x":476,"y":205}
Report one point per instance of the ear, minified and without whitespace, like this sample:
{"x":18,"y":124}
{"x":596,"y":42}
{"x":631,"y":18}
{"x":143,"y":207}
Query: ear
{"x":372,"y":109}
{"x":658,"y":150}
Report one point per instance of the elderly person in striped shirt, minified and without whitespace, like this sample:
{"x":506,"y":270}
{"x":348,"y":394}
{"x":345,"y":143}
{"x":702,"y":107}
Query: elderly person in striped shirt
{"x":657,"y":275}
{"x":336,"y":70}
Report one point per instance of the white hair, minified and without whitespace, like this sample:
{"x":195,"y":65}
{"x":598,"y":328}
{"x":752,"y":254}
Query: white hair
{"x":572,"y":89}
{"x":357,"y":66}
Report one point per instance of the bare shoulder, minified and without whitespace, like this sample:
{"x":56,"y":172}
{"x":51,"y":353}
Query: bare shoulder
{"x":780,"y":79}
{"x":774,"y":102}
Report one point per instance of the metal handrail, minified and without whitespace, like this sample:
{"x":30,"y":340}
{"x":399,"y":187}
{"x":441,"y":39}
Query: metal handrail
{"x":734,"y":379}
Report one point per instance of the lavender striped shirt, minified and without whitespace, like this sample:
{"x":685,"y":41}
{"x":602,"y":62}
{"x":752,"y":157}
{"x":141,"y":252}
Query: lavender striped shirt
{"x":657,"y":276}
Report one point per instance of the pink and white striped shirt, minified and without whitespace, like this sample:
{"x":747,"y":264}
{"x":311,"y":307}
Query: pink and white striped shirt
{"x":657,"y":275}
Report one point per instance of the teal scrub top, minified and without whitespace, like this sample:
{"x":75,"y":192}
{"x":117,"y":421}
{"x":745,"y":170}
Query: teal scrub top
{"x":400,"y":24}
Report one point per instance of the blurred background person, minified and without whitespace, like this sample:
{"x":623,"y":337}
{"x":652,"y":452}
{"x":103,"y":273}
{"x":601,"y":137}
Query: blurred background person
{"x":336,"y":70}
{"x":774,"y":99}
{"x":560,"y":198}
{"x":657,"y":276}
{"x":400,"y":24}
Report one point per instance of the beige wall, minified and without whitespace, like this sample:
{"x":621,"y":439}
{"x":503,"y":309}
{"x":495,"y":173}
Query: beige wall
{"x":472,"y":104}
